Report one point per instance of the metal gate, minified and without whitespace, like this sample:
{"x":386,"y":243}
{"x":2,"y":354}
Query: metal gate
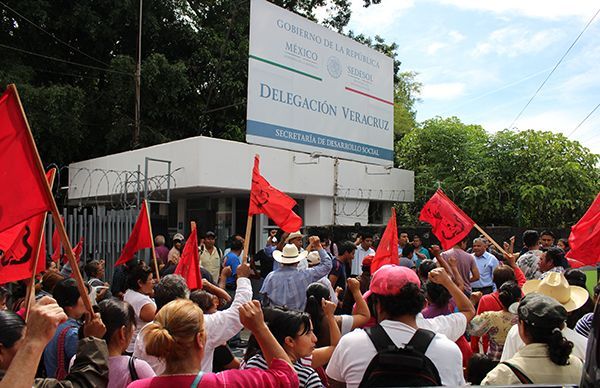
{"x":104,"y":232}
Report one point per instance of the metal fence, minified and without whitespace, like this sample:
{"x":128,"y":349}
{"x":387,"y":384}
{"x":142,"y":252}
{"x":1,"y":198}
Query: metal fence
{"x":104,"y":232}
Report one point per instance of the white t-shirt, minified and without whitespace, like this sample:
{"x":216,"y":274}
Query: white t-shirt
{"x":332,"y":295}
{"x":452,"y":326}
{"x":514,"y":343}
{"x":355,"y":351}
{"x":219,"y":327}
{"x":137,"y":300}
{"x":359,"y":255}
{"x":347,"y":322}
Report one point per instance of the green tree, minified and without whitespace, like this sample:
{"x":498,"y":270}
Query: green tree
{"x":529,"y":178}
{"x":541,"y":178}
{"x":194,"y":69}
{"x":406,"y":92}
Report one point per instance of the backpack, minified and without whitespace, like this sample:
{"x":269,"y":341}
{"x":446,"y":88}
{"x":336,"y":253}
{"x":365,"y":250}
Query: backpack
{"x":407,"y":366}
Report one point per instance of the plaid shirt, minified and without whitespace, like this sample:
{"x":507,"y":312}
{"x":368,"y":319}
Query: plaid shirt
{"x":529,"y":264}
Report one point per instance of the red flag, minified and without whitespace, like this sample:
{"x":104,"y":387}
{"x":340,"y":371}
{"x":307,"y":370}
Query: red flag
{"x":23,"y":195}
{"x":77,"y":250}
{"x":189,"y":263}
{"x":448,"y":222}
{"x":56,"y":243}
{"x":266,"y":199}
{"x":140,"y":237}
{"x":19,"y":244}
{"x":387,"y":251}
{"x":584,"y":239}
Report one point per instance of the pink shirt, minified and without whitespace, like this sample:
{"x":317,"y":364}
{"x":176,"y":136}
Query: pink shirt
{"x":280,"y":374}
{"x":118,"y":371}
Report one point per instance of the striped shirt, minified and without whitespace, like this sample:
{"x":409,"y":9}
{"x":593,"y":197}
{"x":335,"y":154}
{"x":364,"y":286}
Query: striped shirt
{"x":307,"y":376}
{"x":584,"y":325}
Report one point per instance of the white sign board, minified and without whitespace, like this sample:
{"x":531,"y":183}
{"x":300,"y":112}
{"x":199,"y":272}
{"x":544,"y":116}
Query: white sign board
{"x":311,"y":89}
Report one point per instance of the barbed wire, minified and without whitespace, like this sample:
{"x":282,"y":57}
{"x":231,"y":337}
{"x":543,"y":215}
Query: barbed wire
{"x":121,"y":188}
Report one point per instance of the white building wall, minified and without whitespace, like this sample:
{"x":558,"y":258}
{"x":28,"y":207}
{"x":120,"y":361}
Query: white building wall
{"x":210,"y":165}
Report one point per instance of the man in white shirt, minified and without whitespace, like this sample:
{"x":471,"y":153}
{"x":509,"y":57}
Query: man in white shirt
{"x":363,"y":249}
{"x":398,"y":299}
{"x":219,"y":327}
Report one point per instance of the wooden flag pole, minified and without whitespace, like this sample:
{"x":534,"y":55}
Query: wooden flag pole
{"x":55,"y":214}
{"x":247,"y":238}
{"x":152,"y":240}
{"x":490,"y":239}
{"x":30,"y":294}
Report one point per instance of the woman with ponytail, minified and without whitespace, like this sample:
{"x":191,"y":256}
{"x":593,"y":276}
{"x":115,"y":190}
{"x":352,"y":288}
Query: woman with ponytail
{"x":177,"y":335}
{"x":316,"y":293}
{"x":546,"y":357}
{"x":496,"y":324}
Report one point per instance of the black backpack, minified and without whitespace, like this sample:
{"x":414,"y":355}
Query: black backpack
{"x":407,"y":366}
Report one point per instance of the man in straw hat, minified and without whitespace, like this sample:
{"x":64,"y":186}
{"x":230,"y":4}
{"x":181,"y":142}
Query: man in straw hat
{"x":286,"y":285}
{"x":294,"y":238}
{"x":554,"y":285}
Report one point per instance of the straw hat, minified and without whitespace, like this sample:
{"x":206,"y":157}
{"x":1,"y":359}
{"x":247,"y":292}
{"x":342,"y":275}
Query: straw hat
{"x":293,"y":235}
{"x":556,"y":286}
{"x":313,"y":258}
{"x":289,"y":255}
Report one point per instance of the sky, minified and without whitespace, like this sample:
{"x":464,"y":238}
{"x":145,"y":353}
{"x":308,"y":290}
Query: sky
{"x":482,"y":60}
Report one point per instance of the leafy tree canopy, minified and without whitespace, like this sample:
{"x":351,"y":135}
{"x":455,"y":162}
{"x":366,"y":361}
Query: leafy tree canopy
{"x":194,"y":69}
{"x":528,"y":178}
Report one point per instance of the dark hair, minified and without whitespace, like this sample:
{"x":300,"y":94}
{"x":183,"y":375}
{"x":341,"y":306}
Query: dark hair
{"x":115,"y":314}
{"x":203,"y":299}
{"x":138,"y":273}
{"x":346,"y":247}
{"x":366,"y":234}
{"x":530,"y":238}
{"x":437,"y":294}
{"x":503,"y":274}
{"x":556,"y":256}
{"x":408,"y":250}
{"x":426,"y":266}
{"x":169,"y":288}
{"x":282,"y":323}
{"x":548,"y":233}
{"x":12,"y":328}
{"x":479,"y":366}
{"x":509,"y":293}
{"x":4,"y":293}
{"x":91,"y":269}
{"x":566,"y":242}
{"x":576,"y":277}
{"x":236,"y":245}
{"x":597,"y":289}
{"x":559,"y":348}
{"x":315,"y":293}
{"x":49,"y":280}
{"x":416,"y":236}
{"x":409,"y":301}
{"x":66,"y":293}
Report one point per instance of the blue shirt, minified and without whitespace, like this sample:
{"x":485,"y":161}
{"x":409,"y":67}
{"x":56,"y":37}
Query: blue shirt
{"x":232,"y":260}
{"x":486,"y":264}
{"x":286,"y":286}
{"x":51,"y":352}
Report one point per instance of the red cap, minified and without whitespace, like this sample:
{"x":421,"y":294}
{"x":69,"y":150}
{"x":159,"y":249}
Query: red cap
{"x":390,"y":278}
{"x":367,"y":260}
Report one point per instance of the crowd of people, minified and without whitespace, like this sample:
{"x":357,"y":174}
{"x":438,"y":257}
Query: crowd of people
{"x":305,"y":311}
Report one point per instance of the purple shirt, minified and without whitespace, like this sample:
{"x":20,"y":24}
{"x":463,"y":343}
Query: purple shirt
{"x":464,"y":263}
{"x":162,"y":254}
